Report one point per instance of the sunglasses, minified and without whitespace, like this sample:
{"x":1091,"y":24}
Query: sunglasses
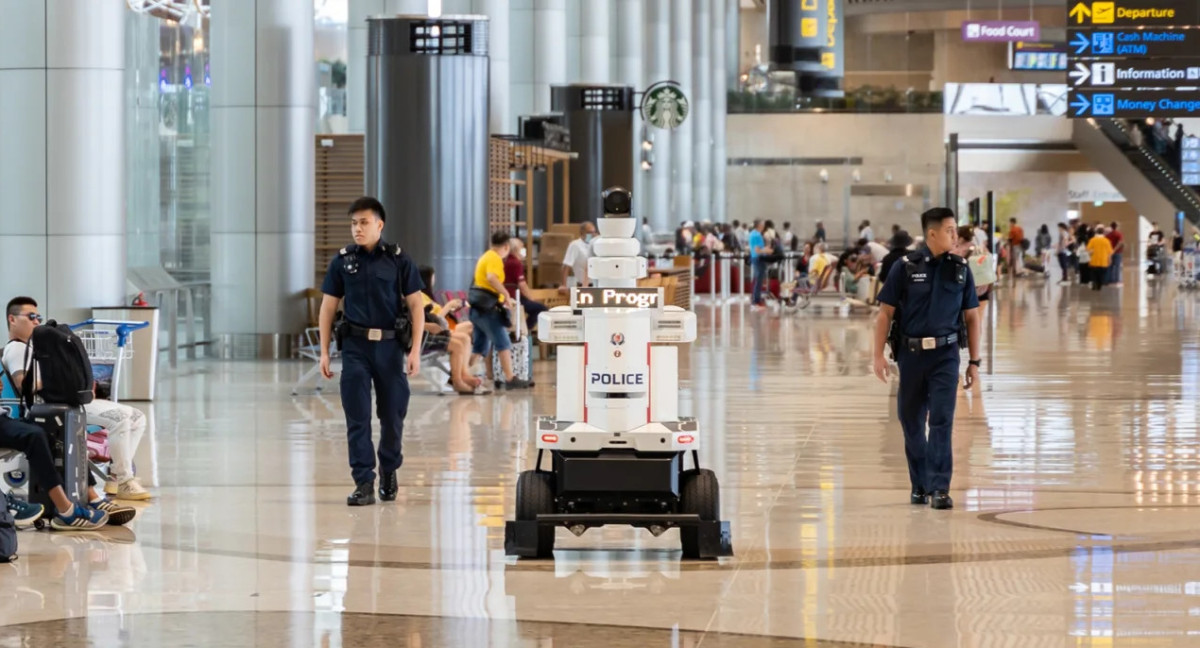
{"x":34,"y":317}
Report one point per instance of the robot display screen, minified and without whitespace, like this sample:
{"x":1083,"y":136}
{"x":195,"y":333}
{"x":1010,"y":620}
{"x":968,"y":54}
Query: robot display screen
{"x":638,"y":298}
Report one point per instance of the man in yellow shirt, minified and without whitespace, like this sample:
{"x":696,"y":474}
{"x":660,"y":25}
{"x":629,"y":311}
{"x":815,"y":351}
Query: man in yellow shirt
{"x":488,"y":301}
{"x":1100,"y":249}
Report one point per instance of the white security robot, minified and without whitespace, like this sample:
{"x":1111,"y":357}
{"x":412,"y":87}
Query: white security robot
{"x":618,"y":445}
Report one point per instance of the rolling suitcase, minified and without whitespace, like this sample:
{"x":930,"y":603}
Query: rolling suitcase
{"x":66,"y":430}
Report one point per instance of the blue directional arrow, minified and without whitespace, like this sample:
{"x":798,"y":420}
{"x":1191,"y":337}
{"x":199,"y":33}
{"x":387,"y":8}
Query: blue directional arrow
{"x":1081,"y":105}
{"x":1081,"y":43}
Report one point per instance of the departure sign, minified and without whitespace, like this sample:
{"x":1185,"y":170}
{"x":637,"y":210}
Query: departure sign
{"x":636,"y":298}
{"x":1124,"y":13}
{"x":1130,"y":58}
{"x":1133,"y":104}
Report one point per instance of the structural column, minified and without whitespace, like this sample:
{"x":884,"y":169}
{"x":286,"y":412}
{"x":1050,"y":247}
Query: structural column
{"x":263,"y":115}
{"x":629,"y":71}
{"x":356,"y":44}
{"x":681,"y":140}
{"x":595,"y":57}
{"x":549,"y":42}
{"x":657,"y":44}
{"x":62,"y":162}
{"x":701,"y":118}
{"x":500,"y":115}
{"x":721,"y":12}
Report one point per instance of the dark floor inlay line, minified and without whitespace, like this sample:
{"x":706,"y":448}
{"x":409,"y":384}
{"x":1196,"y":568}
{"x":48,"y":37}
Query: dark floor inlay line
{"x":367,"y":630}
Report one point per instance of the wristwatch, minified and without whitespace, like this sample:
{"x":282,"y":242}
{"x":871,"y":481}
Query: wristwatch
{"x":975,"y":363}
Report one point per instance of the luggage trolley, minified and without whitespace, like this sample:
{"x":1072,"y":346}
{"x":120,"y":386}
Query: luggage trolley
{"x":108,"y":343}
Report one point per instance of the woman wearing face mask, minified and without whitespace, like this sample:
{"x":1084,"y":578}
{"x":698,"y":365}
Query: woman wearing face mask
{"x":514,"y":280}
{"x":456,"y":340}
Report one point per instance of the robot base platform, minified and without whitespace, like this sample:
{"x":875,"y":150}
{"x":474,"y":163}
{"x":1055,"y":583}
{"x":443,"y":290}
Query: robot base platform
{"x":713,"y":540}
{"x":648,"y":490}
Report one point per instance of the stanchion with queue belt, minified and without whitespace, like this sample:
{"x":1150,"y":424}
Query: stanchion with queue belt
{"x":725,"y":261}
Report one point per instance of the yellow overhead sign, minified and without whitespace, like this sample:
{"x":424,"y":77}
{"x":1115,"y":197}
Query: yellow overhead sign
{"x":1133,"y":12}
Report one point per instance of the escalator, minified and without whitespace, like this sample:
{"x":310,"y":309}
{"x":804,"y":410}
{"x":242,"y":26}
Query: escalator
{"x":1145,"y":179}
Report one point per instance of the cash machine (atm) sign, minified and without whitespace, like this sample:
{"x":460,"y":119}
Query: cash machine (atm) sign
{"x":1122,"y":13}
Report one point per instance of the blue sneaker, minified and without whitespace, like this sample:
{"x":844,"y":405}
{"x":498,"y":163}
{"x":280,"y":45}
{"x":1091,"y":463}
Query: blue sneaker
{"x":25,"y":514}
{"x":81,"y":519}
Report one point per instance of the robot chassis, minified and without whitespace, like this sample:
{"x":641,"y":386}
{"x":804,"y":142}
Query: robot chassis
{"x":617,"y":446}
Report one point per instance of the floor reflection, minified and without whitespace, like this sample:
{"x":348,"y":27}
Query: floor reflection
{"x":1076,"y":473}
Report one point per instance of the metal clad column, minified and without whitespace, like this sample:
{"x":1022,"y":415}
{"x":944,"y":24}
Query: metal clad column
{"x":701,"y":117}
{"x":630,"y":15}
{"x":501,"y":118}
{"x":62,"y":165}
{"x":356,"y":43}
{"x":681,"y":140}
{"x":600,"y":118}
{"x":721,"y":9}
{"x":263,"y":115}
{"x":657,"y":45}
{"x":549,"y":50}
{"x":427,"y":138}
{"x":594,"y":56}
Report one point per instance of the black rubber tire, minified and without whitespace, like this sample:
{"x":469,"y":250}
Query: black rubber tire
{"x":699,"y":493}
{"x":535,"y":496}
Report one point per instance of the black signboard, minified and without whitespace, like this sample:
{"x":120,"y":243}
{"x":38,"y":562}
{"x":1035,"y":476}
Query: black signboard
{"x":1087,"y":43}
{"x":1136,"y":73}
{"x":1125,"y":13}
{"x":1133,"y":104}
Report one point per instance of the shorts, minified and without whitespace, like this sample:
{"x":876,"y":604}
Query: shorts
{"x":987,"y":294}
{"x":490,"y":332}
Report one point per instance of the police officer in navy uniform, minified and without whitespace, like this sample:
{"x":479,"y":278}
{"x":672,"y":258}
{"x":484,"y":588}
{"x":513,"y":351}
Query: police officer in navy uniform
{"x":381,"y":289}
{"x":930,"y":294}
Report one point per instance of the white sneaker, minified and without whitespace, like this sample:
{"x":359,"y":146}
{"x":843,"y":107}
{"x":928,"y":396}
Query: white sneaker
{"x":130,"y":490}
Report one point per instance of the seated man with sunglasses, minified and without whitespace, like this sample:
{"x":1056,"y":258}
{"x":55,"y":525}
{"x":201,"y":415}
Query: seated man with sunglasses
{"x":125,"y":424}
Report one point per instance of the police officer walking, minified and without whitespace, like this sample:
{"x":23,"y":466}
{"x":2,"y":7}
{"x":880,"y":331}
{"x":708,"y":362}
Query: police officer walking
{"x":927,"y":306}
{"x":381,"y":287}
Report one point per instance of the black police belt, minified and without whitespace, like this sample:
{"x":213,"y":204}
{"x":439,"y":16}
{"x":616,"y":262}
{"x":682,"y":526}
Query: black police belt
{"x":927,"y":343}
{"x":372,"y":334}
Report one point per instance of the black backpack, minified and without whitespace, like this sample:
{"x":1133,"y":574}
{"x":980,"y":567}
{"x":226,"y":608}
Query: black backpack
{"x":63,"y":365}
{"x":8,"y":534}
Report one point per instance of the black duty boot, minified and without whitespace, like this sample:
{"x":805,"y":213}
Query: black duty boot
{"x":387,"y":486}
{"x":918,"y":496}
{"x":363,"y":495}
{"x":941,"y":500}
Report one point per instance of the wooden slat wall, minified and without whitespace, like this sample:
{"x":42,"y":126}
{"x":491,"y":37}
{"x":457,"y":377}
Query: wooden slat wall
{"x":339,"y":179}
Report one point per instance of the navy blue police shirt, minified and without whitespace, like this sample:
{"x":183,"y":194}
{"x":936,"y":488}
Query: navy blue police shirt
{"x":934,"y":298}
{"x":367,"y":281}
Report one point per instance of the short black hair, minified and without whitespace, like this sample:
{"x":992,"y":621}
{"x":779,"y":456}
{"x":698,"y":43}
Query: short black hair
{"x":16,"y":303}
{"x":935,"y":216}
{"x":367,"y":203}
{"x":500,"y":238}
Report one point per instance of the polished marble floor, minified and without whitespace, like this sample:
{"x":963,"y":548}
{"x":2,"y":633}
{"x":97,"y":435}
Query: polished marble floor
{"x":1077,"y":486}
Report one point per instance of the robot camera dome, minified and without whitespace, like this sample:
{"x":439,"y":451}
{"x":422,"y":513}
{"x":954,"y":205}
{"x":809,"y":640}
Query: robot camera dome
{"x":618,"y":202}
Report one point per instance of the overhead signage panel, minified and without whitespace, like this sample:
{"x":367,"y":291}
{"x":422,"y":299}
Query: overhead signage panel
{"x":1133,"y":104}
{"x":1085,"y":43}
{"x":1125,"y":13}
{"x":1136,"y":73}
{"x":1000,"y":30}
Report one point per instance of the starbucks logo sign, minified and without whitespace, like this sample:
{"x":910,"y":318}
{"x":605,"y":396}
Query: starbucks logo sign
{"x":664,"y":105}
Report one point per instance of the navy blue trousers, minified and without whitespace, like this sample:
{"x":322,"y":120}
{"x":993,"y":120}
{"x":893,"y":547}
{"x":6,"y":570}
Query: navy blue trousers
{"x":366,"y":363}
{"x":928,"y":392}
